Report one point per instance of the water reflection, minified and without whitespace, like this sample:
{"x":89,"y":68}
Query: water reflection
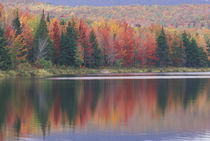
{"x":45,"y":108}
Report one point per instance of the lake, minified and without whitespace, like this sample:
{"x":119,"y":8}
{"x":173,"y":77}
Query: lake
{"x":97,"y":108}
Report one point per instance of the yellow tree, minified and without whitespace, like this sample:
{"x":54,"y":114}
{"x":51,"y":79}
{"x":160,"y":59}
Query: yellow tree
{"x":19,"y":50}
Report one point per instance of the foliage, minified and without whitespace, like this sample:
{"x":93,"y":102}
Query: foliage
{"x":55,"y":35}
{"x":162,"y":50}
{"x":111,"y":42}
{"x":40,"y":36}
{"x":46,"y":64}
{"x":96,"y":53}
{"x":5,"y":60}
{"x":69,"y":47}
{"x":16,"y":24}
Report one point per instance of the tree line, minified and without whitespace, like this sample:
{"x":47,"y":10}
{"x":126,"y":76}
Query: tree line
{"x":75,"y":43}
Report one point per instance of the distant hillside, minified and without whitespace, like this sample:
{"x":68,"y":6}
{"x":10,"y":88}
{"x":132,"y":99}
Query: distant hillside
{"x":123,"y":2}
{"x":111,"y":2}
{"x":16,"y":1}
{"x":19,"y":2}
{"x":186,"y":16}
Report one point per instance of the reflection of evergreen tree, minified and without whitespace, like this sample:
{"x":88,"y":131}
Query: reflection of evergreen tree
{"x":69,"y":98}
{"x":192,"y":89}
{"x":43,"y":97}
{"x":162,"y":93}
{"x":178,"y":88}
{"x":17,"y":126}
{"x":187,"y":90}
{"x":96,"y":88}
{"x":5,"y":93}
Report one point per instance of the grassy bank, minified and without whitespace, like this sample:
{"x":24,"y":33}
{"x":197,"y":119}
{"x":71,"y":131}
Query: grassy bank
{"x":41,"y":73}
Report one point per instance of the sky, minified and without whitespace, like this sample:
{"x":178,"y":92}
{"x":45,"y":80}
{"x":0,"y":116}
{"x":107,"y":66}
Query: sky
{"x":123,"y":2}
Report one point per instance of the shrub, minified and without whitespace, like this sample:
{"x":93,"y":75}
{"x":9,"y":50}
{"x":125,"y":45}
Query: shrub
{"x":45,"y":64}
{"x":23,"y":67}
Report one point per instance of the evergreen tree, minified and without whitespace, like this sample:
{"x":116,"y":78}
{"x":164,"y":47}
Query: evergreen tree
{"x":208,"y":48}
{"x":162,"y":50}
{"x":97,"y":53}
{"x":16,"y":24}
{"x":195,"y":56}
{"x":48,"y":17}
{"x":203,"y":58}
{"x":42,"y":40}
{"x":69,"y":54}
{"x":63,"y":53}
{"x":187,"y":49}
{"x":198,"y":57}
{"x":5,"y":60}
{"x":177,"y":55}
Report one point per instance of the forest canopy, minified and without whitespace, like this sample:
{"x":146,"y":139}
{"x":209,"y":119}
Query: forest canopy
{"x":44,"y":38}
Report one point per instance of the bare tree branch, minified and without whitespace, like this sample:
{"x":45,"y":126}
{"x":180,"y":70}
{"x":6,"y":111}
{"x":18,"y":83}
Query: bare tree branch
{"x":43,"y":43}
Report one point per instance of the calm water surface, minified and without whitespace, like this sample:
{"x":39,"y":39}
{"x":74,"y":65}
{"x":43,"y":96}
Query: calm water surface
{"x":101,"y":110}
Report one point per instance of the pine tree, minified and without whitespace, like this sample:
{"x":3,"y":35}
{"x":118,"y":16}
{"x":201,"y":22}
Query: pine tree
{"x":69,"y":54}
{"x":198,"y":56}
{"x":16,"y":24}
{"x":97,"y":53}
{"x":195,"y":56}
{"x":177,"y":55}
{"x":187,"y":50}
{"x":42,"y":39}
{"x":48,"y":17}
{"x":162,"y":50}
{"x":203,"y":58}
{"x":5,"y":60}
{"x":62,"y":58}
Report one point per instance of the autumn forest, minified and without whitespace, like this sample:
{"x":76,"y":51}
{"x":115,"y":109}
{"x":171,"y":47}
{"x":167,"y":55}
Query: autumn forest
{"x":45,"y":40}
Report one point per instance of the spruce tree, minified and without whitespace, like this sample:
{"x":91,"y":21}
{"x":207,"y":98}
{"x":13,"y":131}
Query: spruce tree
{"x":187,"y":49}
{"x":16,"y":24}
{"x":69,"y":54}
{"x":41,"y":36}
{"x":198,"y":56}
{"x":97,"y":53}
{"x":5,"y":60}
{"x":203,"y":58}
{"x":62,"y":58}
{"x":177,"y":55}
{"x":48,"y":17}
{"x":195,"y":56}
{"x":162,"y":50}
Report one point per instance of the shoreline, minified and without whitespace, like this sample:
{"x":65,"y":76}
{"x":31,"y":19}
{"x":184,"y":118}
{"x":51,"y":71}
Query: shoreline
{"x":43,"y":73}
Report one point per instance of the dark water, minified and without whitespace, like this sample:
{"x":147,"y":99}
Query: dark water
{"x":101,"y":110}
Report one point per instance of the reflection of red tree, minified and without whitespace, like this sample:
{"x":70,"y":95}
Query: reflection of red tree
{"x":56,"y":114}
{"x":85,"y":103}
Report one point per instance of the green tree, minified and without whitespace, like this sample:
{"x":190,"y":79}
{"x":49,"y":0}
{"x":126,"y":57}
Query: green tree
{"x":162,"y":50}
{"x":208,"y":47}
{"x":69,"y":53}
{"x":177,"y":55}
{"x":16,"y":24}
{"x":42,"y":45}
{"x":203,"y":58}
{"x":198,"y":56}
{"x":195,"y":56}
{"x":5,"y":60}
{"x":187,"y":49}
{"x":48,"y":17}
{"x":97,"y":53}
